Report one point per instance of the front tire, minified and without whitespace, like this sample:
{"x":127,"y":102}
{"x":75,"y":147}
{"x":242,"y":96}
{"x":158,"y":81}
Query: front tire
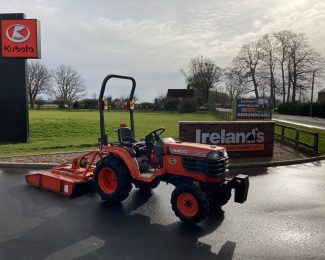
{"x":189,"y":203}
{"x":218,"y":196}
{"x":112,"y":179}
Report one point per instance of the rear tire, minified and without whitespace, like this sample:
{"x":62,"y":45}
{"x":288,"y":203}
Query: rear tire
{"x":189,"y":203}
{"x":112,"y":179}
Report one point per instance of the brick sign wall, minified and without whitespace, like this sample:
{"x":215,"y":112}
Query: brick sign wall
{"x":241,"y":138}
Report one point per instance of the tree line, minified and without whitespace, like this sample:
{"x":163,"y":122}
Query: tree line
{"x":63,"y":82}
{"x":280,"y":65}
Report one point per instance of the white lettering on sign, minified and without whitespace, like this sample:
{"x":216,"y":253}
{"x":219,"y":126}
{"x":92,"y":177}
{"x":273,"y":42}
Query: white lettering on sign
{"x":223,"y":137}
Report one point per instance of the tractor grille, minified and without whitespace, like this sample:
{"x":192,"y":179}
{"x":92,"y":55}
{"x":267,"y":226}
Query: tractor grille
{"x":212,"y":168}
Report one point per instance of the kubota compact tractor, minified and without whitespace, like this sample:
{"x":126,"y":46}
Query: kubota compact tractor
{"x":198,"y":171}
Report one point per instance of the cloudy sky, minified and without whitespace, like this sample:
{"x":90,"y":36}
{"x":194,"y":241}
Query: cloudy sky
{"x":152,"y":40}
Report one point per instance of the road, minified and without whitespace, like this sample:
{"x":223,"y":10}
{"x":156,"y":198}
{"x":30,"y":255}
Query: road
{"x":313,"y":122}
{"x":282,"y":219}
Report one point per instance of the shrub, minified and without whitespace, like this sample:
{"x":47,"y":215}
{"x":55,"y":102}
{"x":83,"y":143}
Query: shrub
{"x":77,"y":105}
{"x":39,"y":103}
{"x":90,"y":103}
{"x":171,"y":104}
{"x":302,"y":109}
{"x":188,"y":105}
{"x":319,"y":109}
{"x":146,"y":105}
{"x":283,"y":108}
{"x":61,"y":103}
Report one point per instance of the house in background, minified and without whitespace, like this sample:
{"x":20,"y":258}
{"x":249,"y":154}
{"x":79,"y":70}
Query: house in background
{"x":321,"y":95}
{"x":181,"y":100}
{"x":180,"y":94}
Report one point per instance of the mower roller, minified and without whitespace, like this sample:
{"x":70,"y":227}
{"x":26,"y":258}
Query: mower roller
{"x":198,"y":171}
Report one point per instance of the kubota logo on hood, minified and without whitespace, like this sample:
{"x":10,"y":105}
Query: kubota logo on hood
{"x":18,"y":33}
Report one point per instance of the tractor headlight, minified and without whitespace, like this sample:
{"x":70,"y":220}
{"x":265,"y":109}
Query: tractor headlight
{"x":214,"y":155}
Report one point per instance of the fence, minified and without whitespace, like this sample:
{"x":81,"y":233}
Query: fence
{"x":298,"y":137}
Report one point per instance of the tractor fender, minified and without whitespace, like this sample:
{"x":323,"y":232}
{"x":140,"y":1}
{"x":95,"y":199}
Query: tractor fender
{"x":130,"y":161}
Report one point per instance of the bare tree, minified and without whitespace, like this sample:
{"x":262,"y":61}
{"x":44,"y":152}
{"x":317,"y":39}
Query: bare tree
{"x":38,"y":80}
{"x":268,"y":45}
{"x":69,"y":85}
{"x":235,"y":83}
{"x":317,"y":70}
{"x":282,"y":55}
{"x":202,"y":75}
{"x":299,"y":53}
{"x":281,"y":64}
{"x":248,"y":61}
{"x":159,"y":101}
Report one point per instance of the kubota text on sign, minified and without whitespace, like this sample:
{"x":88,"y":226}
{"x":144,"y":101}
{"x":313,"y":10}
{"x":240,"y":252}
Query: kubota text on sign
{"x":20,"y":38}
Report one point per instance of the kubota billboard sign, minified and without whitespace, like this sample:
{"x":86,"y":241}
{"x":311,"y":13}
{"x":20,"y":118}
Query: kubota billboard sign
{"x":20,"y":39}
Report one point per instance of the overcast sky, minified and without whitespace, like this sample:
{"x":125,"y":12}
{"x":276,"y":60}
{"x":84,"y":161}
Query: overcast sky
{"x":152,"y":40}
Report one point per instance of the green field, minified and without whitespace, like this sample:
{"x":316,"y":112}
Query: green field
{"x":58,"y":131}
{"x":53,"y":131}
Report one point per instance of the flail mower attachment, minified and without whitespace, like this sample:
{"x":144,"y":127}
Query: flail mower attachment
{"x":68,"y":178}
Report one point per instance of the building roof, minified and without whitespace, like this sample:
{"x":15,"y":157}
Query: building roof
{"x":322,"y":90}
{"x":180,"y":93}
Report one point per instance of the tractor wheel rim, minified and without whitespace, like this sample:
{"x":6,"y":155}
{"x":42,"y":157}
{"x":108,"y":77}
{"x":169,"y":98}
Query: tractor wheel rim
{"x":187,"y":204}
{"x":107,"y":180}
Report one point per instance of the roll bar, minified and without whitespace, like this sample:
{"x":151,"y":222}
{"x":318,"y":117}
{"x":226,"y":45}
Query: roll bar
{"x":103,"y":137}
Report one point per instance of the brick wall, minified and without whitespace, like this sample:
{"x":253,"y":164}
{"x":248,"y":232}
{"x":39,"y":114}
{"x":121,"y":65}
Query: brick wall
{"x":241,"y":138}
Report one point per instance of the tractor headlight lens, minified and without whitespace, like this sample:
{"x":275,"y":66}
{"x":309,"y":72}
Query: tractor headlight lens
{"x":214,"y":155}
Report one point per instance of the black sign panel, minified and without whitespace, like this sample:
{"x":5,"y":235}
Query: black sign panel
{"x":253,"y":108}
{"x":13,"y":95}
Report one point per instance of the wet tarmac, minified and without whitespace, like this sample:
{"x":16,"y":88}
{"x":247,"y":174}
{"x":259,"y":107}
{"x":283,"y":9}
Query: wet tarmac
{"x":284,"y":218}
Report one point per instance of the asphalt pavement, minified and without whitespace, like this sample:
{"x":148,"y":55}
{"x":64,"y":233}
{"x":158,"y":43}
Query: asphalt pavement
{"x":313,"y":122}
{"x":282,"y":219}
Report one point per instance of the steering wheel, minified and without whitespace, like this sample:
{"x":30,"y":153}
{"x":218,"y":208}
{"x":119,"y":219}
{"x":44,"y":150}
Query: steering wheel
{"x":151,"y":138}
{"x":155,"y":134}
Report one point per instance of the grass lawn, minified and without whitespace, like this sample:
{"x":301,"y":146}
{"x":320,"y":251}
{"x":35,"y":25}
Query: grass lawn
{"x":305,"y":137}
{"x":53,"y":131}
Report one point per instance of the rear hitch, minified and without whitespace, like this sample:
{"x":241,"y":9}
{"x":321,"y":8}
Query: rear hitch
{"x":241,"y":184}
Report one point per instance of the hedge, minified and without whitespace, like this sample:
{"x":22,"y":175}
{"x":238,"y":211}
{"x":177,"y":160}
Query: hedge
{"x":302,"y":109}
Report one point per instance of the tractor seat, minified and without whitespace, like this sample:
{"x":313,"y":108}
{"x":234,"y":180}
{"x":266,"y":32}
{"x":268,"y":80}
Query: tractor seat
{"x":125,"y":136}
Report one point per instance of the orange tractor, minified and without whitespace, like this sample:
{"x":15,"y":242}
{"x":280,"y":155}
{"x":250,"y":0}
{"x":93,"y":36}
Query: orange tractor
{"x":198,"y":171}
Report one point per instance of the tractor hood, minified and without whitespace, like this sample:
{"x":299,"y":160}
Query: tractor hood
{"x":193,"y":149}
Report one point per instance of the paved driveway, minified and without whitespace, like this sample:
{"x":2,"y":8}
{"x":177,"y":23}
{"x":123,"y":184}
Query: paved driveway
{"x":282,"y":219}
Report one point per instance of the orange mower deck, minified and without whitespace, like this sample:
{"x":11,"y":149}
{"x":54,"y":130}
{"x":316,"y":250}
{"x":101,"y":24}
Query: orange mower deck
{"x":67,"y":178}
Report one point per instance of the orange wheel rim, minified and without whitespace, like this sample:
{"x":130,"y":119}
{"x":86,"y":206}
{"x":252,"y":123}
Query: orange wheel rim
{"x":187,"y":204}
{"x":107,"y":180}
